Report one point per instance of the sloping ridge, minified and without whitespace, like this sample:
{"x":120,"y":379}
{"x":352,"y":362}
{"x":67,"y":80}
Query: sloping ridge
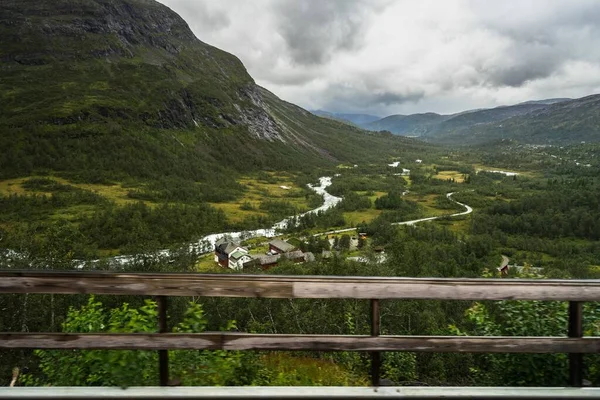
{"x":561,"y":122}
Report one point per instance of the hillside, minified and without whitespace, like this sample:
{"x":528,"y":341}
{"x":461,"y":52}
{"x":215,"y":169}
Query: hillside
{"x":101,"y":90}
{"x":432,"y":125}
{"x":550,"y":121}
{"x":468,"y":119}
{"x":563,"y":122}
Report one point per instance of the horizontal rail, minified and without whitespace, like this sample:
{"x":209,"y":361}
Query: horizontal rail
{"x":268,"y":286}
{"x":246,"y":341}
{"x":298,"y":392}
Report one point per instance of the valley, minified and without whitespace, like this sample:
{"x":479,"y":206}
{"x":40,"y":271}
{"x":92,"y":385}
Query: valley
{"x":131,"y":146}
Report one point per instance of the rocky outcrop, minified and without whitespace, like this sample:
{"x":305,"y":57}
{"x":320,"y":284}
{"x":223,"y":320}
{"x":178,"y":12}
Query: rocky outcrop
{"x":260,"y":123}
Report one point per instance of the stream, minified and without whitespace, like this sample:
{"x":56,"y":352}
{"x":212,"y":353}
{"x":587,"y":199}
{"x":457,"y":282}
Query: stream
{"x":206,"y":244}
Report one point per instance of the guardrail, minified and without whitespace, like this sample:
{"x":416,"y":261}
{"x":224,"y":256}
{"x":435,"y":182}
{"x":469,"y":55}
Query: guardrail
{"x":373,"y":289}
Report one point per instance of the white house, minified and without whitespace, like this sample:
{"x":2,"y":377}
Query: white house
{"x":230,"y":254}
{"x":238,"y":258}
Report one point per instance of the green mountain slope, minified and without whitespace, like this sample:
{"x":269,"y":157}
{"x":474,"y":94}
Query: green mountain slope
{"x":554,"y":121}
{"x":434,"y":125}
{"x":563,"y":122}
{"x":468,"y":119}
{"x":110,"y":89}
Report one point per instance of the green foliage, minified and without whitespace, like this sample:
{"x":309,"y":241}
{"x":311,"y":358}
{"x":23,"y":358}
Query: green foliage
{"x":138,"y":225}
{"x":134,"y":368}
{"x":394,"y":201}
{"x":278,"y":209}
{"x":344,"y":243}
{"x":280,"y":369}
{"x":354,"y":202}
{"x":195,"y":368}
{"x":528,"y":318}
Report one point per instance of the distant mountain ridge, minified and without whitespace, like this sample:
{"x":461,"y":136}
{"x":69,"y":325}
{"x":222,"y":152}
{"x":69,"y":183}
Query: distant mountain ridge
{"x":408,"y":125}
{"x":547,"y":101}
{"x":431,"y":124}
{"x":356,"y":119}
{"x":556,"y":120}
{"x":563,"y":122}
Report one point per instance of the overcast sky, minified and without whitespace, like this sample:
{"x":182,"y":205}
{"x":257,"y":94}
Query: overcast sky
{"x":398,"y":56}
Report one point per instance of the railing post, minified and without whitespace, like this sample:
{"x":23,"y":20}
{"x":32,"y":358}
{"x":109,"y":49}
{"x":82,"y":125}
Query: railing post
{"x":163,"y":355}
{"x":375,"y":330}
{"x":575,"y":331}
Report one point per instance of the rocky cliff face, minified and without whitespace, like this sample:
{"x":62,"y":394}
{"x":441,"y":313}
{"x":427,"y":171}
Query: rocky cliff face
{"x":132,"y":60}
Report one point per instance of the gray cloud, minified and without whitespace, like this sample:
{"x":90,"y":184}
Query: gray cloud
{"x":314,"y":30}
{"x":402,"y":56}
{"x":526,"y":62}
{"x":200,"y":16}
{"x":339,"y":98}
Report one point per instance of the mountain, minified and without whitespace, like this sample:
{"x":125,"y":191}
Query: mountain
{"x":558,"y":120}
{"x":432,"y":124}
{"x":100,"y":90}
{"x":547,"y":101}
{"x":468,"y":119}
{"x":564,"y":122}
{"x":356,"y":119}
{"x":408,"y":125}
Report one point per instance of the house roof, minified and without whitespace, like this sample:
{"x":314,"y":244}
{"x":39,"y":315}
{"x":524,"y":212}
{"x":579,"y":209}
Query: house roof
{"x":236,"y":255}
{"x":266,"y":260}
{"x":220,"y":241}
{"x":281,"y":245}
{"x":228,"y":247}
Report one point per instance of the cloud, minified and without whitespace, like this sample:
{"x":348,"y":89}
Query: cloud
{"x":315,"y":31}
{"x":402,"y":56}
{"x":199,"y":14}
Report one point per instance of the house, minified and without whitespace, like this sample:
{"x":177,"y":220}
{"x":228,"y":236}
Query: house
{"x":268,"y":261}
{"x":296,"y":256}
{"x":278,"y":246}
{"x":224,"y":250}
{"x":263,"y":261}
{"x":238,"y":258}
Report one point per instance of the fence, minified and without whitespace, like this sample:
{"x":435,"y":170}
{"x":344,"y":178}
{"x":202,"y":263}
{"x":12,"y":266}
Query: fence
{"x":373,"y":289}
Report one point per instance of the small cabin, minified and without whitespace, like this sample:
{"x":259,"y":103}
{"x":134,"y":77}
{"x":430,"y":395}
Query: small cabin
{"x":278,"y":246}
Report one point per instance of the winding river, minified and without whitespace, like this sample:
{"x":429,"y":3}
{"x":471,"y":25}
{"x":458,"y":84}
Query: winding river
{"x":206,"y":244}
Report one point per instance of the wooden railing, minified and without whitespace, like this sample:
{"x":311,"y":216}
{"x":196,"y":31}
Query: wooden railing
{"x":374,"y":289}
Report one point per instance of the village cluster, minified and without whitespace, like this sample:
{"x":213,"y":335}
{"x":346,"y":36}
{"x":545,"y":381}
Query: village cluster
{"x":234,"y":256}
